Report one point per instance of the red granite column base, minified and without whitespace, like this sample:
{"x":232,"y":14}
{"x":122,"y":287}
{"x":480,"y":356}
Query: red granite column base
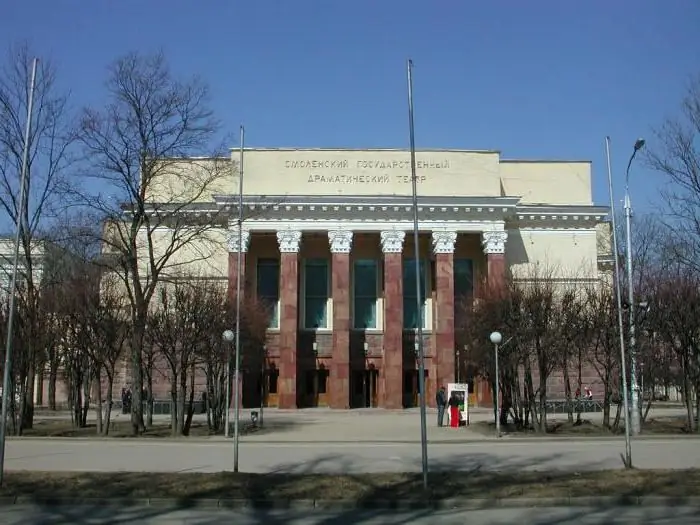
{"x":339,"y":384}
{"x":287,"y":381}
{"x":496,"y":263}
{"x":392,"y":379}
{"x":445,"y":328}
{"x":392,"y":372}
{"x":233,"y":275}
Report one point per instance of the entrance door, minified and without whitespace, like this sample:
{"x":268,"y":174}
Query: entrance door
{"x":371,"y":380}
{"x":271,"y":393}
{"x":364,"y":388}
{"x":316,"y":388}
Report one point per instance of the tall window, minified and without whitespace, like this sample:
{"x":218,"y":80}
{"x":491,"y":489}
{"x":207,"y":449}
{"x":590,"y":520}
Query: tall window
{"x":464,"y":279}
{"x":316,"y":293}
{"x":365,"y":278}
{"x":411,"y":313}
{"x":268,"y":287}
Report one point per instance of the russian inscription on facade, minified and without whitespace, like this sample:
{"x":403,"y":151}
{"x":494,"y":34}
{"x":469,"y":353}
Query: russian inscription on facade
{"x":362,"y":164}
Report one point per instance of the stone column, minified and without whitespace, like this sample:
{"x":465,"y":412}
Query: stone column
{"x":289,"y":241}
{"x":392,"y":373}
{"x":444,"y":325}
{"x":234,"y":245}
{"x":339,"y":384}
{"x":494,"y":243}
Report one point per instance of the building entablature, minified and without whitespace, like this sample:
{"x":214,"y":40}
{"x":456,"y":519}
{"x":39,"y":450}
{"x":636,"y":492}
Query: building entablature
{"x":375,"y":213}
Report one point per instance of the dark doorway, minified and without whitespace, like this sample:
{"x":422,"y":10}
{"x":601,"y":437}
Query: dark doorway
{"x":364,"y":388}
{"x":253,"y":384}
{"x":410,"y":388}
{"x":316,"y":388}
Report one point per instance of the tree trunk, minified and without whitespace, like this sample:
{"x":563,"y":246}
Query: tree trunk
{"x":110,"y":399}
{"x":616,"y":423}
{"x":567,"y":394}
{"x":181,"y":393}
{"x":138,"y":332}
{"x":579,"y":382}
{"x":530,"y":390}
{"x":40,"y":388}
{"x":86,"y":401}
{"x":53,"y":377}
{"x":98,"y":403}
{"x":607,"y":399}
{"x":687,"y":395}
{"x":28,"y":411}
{"x":190,"y":405}
{"x":696,"y":426}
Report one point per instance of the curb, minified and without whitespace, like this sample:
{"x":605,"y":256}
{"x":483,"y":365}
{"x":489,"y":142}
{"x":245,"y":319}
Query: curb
{"x":376,"y":504}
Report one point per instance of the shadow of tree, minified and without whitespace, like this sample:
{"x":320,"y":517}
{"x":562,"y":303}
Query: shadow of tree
{"x":287,"y":496}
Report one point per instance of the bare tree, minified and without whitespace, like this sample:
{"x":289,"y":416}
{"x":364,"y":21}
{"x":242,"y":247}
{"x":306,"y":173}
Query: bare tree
{"x":140,"y":146}
{"x":603,"y":349}
{"x":49,"y":158}
{"x":674,"y":318}
{"x":675,"y":154}
{"x":528,"y":312}
{"x":175,"y":329}
{"x":110,"y":330}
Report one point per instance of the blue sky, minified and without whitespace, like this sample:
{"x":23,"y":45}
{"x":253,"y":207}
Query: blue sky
{"x":538,"y":79}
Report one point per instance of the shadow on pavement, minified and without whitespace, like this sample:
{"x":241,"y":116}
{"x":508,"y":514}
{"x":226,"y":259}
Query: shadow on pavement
{"x":261,"y":509}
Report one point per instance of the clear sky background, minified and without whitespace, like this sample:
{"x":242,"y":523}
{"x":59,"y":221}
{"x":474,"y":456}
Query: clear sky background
{"x":537,"y":79}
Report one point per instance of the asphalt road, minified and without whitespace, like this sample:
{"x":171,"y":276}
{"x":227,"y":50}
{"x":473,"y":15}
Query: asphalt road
{"x":174,"y":456}
{"x":79,"y":515}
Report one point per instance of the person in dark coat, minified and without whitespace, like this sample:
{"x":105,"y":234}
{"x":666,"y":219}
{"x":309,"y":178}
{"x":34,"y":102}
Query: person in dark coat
{"x":441,"y":402}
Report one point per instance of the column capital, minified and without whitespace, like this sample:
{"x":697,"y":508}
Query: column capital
{"x":340,"y":241}
{"x":234,"y":243}
{"x":494,"y":242}
{"x":392,"y":241}
{"x":289,"y":240}
{"x":444,"y":241}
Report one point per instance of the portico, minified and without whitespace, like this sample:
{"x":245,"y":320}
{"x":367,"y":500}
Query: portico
{"x":344,"y":321}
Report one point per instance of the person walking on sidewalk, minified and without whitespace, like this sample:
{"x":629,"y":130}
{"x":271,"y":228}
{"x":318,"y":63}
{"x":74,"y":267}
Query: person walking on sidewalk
{"x":441,"y":402}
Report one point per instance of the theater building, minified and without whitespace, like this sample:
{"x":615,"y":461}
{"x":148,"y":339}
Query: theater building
{"x":327,"y":242}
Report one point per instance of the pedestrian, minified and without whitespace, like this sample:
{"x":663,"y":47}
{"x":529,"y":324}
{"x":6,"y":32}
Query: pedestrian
{"x":441,"y":402}
{"x":454,"y":410}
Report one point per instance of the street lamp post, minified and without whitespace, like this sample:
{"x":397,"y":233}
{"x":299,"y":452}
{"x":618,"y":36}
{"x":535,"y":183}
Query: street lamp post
{"x":634,"y":409}
{"x":618,"y":297}
{"x":229,"y":336}
{"x":496,"y":339}
{"x":7,"y":381}
{"x":419,"y":292}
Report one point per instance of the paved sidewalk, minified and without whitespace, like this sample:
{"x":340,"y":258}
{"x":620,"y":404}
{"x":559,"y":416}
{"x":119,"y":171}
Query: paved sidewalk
{"x":114,"y":455}
{"x":363,"y":425}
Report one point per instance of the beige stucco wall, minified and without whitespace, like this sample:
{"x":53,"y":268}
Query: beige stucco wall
{"x":7,"y":250}
{"x":205,"y":255}
{"x":366,"y":172}
{"x":547,"y":182}
{"x":568,"y":254}
{"x":372,"y":172}
{"x":189,"y":180}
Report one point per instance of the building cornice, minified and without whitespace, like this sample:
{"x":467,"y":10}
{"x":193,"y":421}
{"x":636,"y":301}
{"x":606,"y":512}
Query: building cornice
{"x":392,"y":208}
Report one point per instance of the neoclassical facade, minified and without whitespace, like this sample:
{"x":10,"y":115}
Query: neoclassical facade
{"x":327,"y":242}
